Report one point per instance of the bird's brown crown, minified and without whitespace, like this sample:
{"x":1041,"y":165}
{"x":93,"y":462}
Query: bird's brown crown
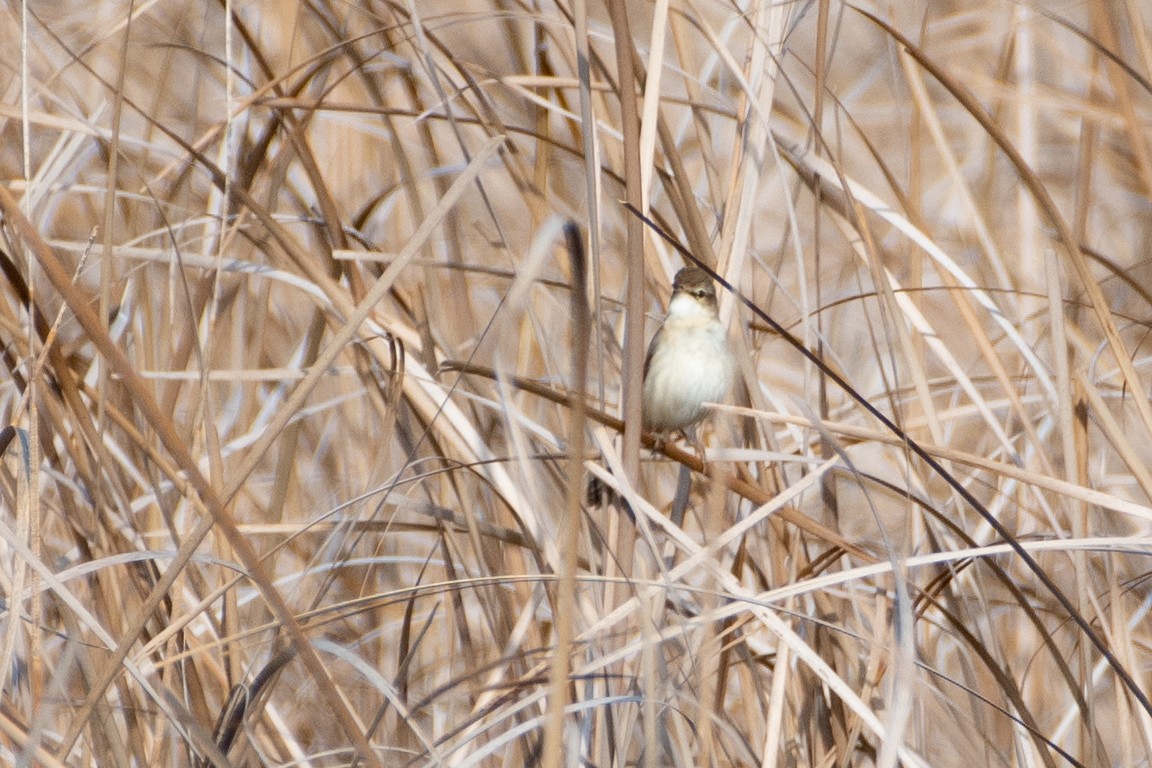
{"x":694,"y":281}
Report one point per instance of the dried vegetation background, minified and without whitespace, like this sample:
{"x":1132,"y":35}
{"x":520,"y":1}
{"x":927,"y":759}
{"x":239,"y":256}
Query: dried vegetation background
{"x":288,"y":342}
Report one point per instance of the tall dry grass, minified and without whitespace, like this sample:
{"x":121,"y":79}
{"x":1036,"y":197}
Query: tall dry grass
{"x":295,"y":471}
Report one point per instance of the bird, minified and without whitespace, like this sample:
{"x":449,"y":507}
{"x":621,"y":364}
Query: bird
{"x":689,"y":361}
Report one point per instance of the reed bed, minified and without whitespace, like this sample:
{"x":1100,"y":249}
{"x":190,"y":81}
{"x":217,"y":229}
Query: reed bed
{"x":320,"y":318}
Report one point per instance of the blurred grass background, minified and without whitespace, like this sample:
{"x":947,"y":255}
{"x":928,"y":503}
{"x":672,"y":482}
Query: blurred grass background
{"x":288,"y":342}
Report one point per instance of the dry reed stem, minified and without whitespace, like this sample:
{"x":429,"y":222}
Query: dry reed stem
{"x":289,"y":342}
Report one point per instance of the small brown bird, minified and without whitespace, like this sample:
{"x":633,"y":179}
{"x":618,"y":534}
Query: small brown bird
{"x":688,"y":361}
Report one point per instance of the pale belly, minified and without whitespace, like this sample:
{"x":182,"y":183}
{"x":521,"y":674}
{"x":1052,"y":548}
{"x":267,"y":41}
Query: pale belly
{"x":682,"y":376}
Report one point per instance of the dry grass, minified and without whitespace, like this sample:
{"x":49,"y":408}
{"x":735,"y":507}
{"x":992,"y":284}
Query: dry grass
{"x":264,"y":504}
